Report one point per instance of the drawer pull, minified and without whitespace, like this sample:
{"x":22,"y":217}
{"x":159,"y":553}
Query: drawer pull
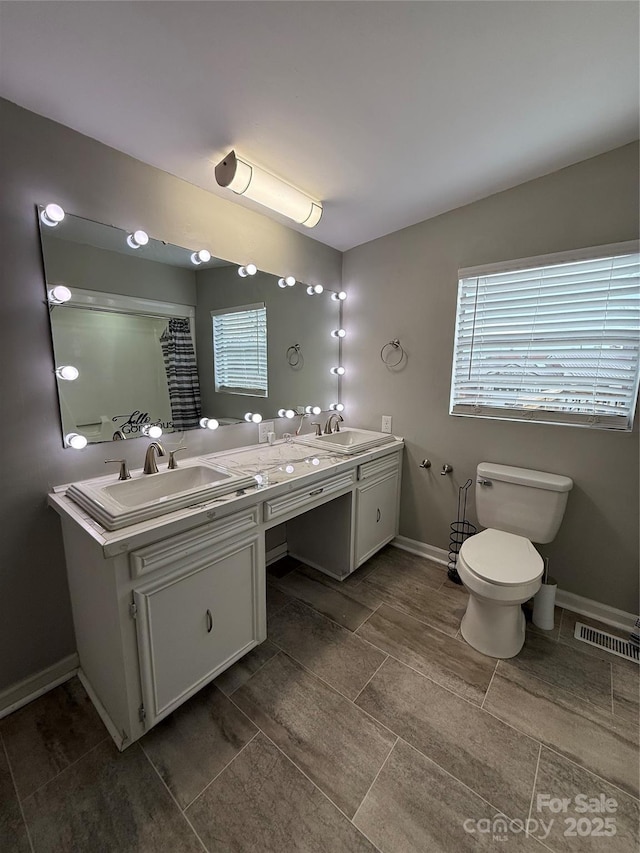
{"x":317,"y":491}
{"x":209,"y":622}
{"x":378,"y":515}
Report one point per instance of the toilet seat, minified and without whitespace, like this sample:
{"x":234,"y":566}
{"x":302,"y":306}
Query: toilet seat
{"x":501,"y":558}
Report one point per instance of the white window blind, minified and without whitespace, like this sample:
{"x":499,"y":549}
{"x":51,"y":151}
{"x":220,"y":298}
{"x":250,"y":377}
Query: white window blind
{"x":555,"y":341}
{"x":240,"y":350}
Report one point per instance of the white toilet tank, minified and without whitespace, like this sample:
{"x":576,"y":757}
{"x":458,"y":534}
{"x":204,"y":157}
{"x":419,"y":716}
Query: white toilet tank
{"x":518,"y":500}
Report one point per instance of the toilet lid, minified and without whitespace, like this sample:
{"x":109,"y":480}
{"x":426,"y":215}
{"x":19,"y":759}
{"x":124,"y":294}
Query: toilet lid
{"x":502,"y":558}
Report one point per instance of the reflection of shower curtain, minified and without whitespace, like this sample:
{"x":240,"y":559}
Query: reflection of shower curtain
{"x":182,"y":374}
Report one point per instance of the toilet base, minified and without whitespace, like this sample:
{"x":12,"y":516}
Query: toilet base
{"x":496,"y":630}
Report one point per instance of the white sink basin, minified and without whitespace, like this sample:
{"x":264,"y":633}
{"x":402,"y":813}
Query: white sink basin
{"x":347,"y":441}
{"x":118,"y":504}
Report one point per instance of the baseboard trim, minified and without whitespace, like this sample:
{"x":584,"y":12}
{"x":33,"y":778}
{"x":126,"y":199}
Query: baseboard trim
{"x":276,"y":553}
{"x":25,"y":691}
{"x":577,"y":603}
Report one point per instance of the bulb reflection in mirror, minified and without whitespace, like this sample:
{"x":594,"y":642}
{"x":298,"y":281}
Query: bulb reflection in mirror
{"x":209,"y":423}
{"x":339,"y":297}
{"x":137,"y":239}
{"x":337,"y":407}
{"x":152,"y":430}
{"x":338,"y":371}
{"x":68,"y":372}
{"x":312,"y":410}
{"x":52,"y":215}
{"x":312,"y":461}
{"x":289,"y":468}
{"x":288,"y":281}
{"x":339,"y":333}
{"x":75,"y":440}
{"x":59,"y":294}
{"x":315,"y":288}
{"x":286,"y":413}
{"x":201,"y":257}
{"x":253,"y":417}
{"x":249,"y":269}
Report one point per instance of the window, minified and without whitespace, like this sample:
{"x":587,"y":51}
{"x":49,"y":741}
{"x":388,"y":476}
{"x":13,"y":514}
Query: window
{"x":553,"y":339}
{"x":240,"y":350}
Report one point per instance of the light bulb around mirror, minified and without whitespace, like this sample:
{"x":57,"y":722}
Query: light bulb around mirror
{"x":338,"y":371}
{"x":137,"y":239}
{"x":209,"y":423}
{"x":52,"y":215}
{"x":313,"y":410}
{"x":339,"y":297}
{"x":201,"y":257}
{"x":68,"y":372}
{"x":253,"y":417}
{"x":286,"y":413}
{"x":339,"y":333}
{"x":152,"y":430}
{"x":248,"y":269}
{"x":75,"y":440}
{"x":59,"y":294}
{"x":337,"y":407}
{"x":289,"y":468}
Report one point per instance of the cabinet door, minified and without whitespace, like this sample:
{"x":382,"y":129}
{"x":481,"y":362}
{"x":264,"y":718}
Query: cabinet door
{"x":376,"y":516}
{"x":191,"y":625}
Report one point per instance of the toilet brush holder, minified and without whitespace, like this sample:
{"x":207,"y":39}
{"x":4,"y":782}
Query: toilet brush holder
{"x":544,"y":603}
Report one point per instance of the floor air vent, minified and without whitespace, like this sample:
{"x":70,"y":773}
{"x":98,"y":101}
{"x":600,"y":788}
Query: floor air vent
{"x":608,"y":642}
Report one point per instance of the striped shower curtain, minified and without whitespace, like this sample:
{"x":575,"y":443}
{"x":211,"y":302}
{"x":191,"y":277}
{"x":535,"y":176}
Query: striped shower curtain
{"x":182,"y":373}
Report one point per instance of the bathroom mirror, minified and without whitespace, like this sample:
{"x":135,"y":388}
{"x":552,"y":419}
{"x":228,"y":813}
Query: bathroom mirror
{"x":138,"y":329}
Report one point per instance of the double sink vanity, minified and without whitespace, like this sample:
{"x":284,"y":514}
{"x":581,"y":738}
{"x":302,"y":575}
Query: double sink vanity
{"x":167,"y":571}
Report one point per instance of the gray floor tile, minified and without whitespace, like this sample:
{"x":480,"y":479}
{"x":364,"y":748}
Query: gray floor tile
{"x":276,"y":600}
{"x":331,"y":652}
{"x":282,"y":567}
{"x":194,"y":743}
{"x":262,"y":804}
{"x":357,"y":591}
{"x":626,"y":689}
{"x":567,"y":628}
{"x":552,"y":633}
{"x":243,"y":669}
{"x":391,"y":561}
{"x":335,"y":743}
{"x":415,"y":807}
{"x":411,"y":586}
{"x":450,"y":662}
{"x":489,"y":756}
{"x":338,"y":606}
{"x":47,"y":735}
{"x":108,"y":801}
{"x":560,"y":779}
{"x":584,"y":733}
{"x":13,"y":833}
{"x":584,"y":675}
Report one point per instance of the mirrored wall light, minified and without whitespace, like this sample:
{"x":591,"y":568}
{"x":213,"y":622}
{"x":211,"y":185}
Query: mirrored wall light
{"x":338,"y":371}
{"x":312,"y":410}
{"x":75,"y":440}
{"x":209,"y":423}
{"x":52,"y":215}
{"x":339,"y":333}
{"x":152,"y":430}
{"x":314,"y":288}
{"x":312,"y":460}
{"x":68,"y":372}
{"x":201,"y":257}
{"x":137,"y":239}
{"x":287,"y":281}
{"x":253,"y":417}
{"x":59,"y":294}
{"x":249,"y":269}
{"x":286,"y":413}
{"x":339,"y":297}
{"x":337,"y":407}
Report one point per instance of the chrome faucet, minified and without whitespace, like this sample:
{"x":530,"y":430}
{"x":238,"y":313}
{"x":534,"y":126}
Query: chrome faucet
{"x":328,"y":425}
{"x":118,"y":436}
{"x":150,"y":464}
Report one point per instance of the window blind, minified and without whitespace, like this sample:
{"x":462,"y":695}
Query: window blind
{"x":240,"y":350}
{"x":555,"y":342}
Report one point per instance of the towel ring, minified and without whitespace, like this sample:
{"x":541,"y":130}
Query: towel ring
{"x":294,"y":355}
{"x":388,"y":355}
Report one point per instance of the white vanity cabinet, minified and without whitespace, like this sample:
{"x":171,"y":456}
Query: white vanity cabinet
{"x":376,"y":506}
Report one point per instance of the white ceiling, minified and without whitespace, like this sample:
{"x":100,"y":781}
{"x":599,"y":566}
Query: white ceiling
{"x":389,"y":112}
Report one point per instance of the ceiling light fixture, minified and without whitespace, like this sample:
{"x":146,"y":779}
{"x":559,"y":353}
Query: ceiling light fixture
{"x":243,"y":178}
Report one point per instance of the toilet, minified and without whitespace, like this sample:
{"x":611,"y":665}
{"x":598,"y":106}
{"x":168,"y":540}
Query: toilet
{"x":500,"y":567}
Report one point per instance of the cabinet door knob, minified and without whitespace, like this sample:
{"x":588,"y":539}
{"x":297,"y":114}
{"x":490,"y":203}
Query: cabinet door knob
{"x":209,"y":622}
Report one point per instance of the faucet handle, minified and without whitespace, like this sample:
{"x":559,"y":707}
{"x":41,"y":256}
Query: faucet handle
{"x":317,"y":426}
{"x":124,"y":470}
{"x":172,"y":462}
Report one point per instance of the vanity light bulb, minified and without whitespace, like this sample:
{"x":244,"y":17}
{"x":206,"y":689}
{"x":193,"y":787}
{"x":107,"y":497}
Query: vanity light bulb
{"x":282,"y":282}
{"x":253,"y":417}
{"x":313,"y":461}
{"x":152,"y":430}
{"x":209,"y":423}
{"x":286,"y":413}
{"x":339,"y":333}
{"x":59,"y":294}
{"x":249,"y":269}
{"x":67,"y":371}
{"x":137,"y":239}
{"x":338,"y":371}
{"x":290,"y":281}
{"x":339,"y":297}
{"x":337,"y":407}
{"x":75,"y":440}
{"x":289,"y":468}
{"x":313,"y":410}
{"x":52,"y":215}
{"x":318,"y":288}
{"x":310,"y":290}
{"x":201,"y":257}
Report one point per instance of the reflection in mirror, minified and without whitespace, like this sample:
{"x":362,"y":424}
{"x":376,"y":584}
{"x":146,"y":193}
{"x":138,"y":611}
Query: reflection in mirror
{"x":130,"y":316}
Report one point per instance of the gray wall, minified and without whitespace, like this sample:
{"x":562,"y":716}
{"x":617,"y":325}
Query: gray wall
{"x":405,"y":285}
{"x":41,"y":161}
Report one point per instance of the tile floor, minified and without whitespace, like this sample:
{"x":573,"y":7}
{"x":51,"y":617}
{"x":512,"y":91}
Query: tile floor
{"x":364,"y":723}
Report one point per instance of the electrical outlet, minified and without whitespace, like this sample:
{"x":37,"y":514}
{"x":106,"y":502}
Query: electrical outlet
{"x":264,"y":429}
{"x":386,"y":423}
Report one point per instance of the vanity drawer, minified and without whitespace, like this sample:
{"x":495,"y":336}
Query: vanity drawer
{"x":378,"y":467}
{"x":188,"y":547}
{"x":307,"y":497}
